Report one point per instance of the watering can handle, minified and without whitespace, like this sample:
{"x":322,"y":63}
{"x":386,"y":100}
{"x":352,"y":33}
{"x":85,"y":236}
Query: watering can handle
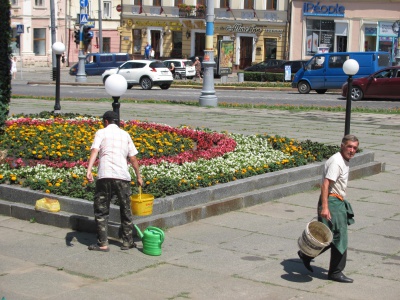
{"x":159,"y":231}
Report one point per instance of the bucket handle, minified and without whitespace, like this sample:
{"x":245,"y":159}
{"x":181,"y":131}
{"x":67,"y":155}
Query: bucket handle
{"x":140,"y":192}
{"x":316,"y":218}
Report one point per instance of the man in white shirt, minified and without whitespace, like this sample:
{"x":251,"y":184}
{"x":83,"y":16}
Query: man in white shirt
{"x":334,"y":211}
{"x":114,"y":147}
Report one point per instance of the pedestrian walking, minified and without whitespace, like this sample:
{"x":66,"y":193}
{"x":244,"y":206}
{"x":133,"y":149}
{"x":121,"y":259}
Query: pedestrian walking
{"x":114,"y":147}
{"x":334,"y":210}
{"x":147,"y":50}
{"x":14,"y":67}
{"x":172,"y":69}
{"x":197,"y":65}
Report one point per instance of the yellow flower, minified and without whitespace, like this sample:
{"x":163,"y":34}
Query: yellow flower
{"x":47,"y":191}
{"x":1,"y":176}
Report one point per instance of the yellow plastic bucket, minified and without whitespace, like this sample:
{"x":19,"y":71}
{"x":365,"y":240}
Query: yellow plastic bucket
{"x":142,"y":204}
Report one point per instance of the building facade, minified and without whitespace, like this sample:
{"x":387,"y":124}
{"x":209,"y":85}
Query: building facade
{"x":176,"y":28}
{"x":32,"y":46}
{"x":338,"y":26}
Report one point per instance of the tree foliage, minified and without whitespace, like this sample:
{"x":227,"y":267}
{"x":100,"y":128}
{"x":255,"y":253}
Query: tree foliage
{"x":5,"y":61}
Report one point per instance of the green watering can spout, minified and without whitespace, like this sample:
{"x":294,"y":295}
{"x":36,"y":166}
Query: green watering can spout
{"x":140,"y":234}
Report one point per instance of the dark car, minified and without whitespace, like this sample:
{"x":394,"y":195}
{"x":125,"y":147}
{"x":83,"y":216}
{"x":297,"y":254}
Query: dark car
{"x":295,"y":65}
{"x":262,"y":66}
{"x":382,"y":84}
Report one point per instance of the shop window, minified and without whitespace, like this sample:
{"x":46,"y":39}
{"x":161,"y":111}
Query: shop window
{"x":156,"y":2}
{"x":320,"y":33}
{"x":177,"y":2}
{"x":201,"y":2}
{"x":270,"y":46}
{"x":107,"y":9}
{"x":271,"y":4}
{"x":137,"y":41}
{"x":39,"y":41}
{"x":106,"y":45}
{"x":177,"y":44}
{"x":248,"y":4}
{"x":224,"y":3}
{"x":137,"y":2}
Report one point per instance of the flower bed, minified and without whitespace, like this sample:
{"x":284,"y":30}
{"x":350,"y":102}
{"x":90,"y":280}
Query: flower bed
{"x":50,"y":154}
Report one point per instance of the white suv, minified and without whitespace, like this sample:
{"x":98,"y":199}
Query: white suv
{"x":145,"y":73}
{"x":183,"y":68}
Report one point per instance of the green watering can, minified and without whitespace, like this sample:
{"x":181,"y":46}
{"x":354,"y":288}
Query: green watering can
{"x":152,"y":239}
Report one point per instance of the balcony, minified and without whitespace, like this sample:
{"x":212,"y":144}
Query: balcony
{"x":192,"y":13}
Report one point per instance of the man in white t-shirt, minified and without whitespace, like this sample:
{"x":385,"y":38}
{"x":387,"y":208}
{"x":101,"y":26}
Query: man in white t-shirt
{"x":333,"y":210}
{"x":114,"y":147}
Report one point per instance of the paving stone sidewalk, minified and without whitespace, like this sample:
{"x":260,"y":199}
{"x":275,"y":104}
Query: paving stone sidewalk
{"x":248,"y":253}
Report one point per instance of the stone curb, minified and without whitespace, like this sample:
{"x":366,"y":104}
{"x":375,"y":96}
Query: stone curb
{"x":183,"y":208}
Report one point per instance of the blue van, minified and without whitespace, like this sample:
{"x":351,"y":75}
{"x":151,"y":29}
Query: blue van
{"x":325,"y":70}
{"x":97,"y":63}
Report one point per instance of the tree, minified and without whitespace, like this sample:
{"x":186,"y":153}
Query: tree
{"x":5,"y":61}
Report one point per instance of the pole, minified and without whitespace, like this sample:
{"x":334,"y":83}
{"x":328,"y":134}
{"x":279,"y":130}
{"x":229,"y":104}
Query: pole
{"x":208,"y":97}
{"x":348,"y":106}
{"x":57,"y":106}
{"x":53,"y":37}
{"x":100,"y":28}
{"x":81,"y":75}
{"x":116,"y":105}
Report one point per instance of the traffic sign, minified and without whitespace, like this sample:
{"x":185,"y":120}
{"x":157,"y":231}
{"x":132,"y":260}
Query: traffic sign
{"x":20,"y":28}
{"x":84,"y":3}
{"x":83,"y":18}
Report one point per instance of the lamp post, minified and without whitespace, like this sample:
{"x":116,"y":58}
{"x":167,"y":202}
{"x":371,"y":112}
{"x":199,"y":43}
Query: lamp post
{"x":350,"y":68}
{"x":116,"y":86}
{"x":58,"y":49}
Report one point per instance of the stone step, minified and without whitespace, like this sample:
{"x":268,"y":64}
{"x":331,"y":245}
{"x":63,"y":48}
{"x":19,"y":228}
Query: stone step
{"x":186,"y":207}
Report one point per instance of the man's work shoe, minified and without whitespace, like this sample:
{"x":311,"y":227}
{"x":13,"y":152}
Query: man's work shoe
{"x":340,"y":277}
{"x":306,"y":261}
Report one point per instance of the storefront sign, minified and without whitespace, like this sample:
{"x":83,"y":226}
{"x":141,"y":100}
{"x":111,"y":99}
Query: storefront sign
{"x":386,"y":28}
{"x":239,"y":28}
{"x":311,"y":9}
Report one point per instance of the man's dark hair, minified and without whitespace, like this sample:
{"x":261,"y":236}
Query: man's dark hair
{"x":110,"y":116}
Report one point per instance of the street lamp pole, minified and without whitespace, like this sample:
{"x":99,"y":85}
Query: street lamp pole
{"x":208,"y":97}
{"x":350,"y":68}
{"x":58,"y":49}
{"x":116,"y":86}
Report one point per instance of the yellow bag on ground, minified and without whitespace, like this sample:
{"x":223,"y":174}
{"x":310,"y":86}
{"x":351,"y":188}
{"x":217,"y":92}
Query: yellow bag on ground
{"x":47,"y":204}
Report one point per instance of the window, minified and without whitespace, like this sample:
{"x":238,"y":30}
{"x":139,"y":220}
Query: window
{"x":248,"y":4}
{"x":14,"y":2}
{"x":107,"y":9}
{"x":224,"y":3}
{"x":177,"y":2}
{"x":271,"y":4}
{"x":137,"y":2}
{"x":201,"y":2}
{"x":39,"y":41}
{"x":270,"y":46}
{"x":137,"y":40}
{"x":106,"y":44}
{"x":39,"y":3}
{"x":320,"y":33}
{"x":337,"y":61}
{"x":156,"y":2}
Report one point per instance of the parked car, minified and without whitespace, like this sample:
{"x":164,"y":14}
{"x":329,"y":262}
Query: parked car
{"x":97,"y":63}
{"x":193,"y":58}
{"x":145,"y":73}
{"x":183,"y":68}
{"x":295,"y":65}
{"x":262,"y":66}
{"x":382,"y":84}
